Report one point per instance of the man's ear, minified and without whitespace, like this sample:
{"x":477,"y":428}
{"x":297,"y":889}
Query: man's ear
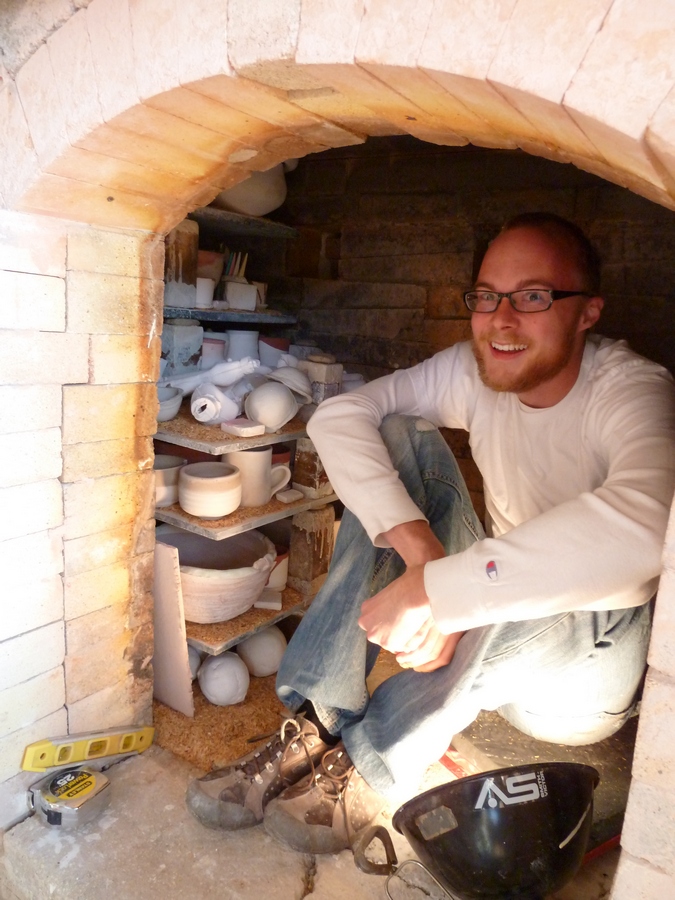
{"x":590,"y":313}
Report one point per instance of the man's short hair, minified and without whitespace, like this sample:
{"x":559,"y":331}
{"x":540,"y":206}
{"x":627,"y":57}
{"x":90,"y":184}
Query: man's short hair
{"x":550,"y":223}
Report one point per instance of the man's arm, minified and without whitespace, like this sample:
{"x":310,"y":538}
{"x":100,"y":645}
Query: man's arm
{"x":399,"y":617}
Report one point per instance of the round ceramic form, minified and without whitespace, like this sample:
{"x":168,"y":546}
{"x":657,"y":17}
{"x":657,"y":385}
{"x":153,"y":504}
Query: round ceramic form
{"x":166,"y":478}
{"x":296,"y":380}
{"x":170,"y":400}
{"x":260,"y":480}
{"x":241,"y":344}
{"x":209,"y":489}
{"x":273,"y":404}
{"x":221,"y":579}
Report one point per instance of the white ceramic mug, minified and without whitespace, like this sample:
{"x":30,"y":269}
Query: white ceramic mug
{"x":260,"y":480}
{"x":209,"y":489}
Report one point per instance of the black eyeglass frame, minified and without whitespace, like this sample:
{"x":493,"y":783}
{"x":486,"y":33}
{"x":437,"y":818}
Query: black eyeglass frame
{"x":553,"y":295}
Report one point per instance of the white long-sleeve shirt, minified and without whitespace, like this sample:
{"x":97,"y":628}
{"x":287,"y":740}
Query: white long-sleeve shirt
{"x":577,"y":494}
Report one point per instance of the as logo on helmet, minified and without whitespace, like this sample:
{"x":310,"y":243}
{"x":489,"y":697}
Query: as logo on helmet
{"x":519,"y":789}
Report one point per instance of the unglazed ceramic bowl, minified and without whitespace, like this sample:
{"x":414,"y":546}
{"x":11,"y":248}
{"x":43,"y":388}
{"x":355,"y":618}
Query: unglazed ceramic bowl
{"x":169,"y":403}
{"x":166,"y":478}
{"x":221,"y":579}
{"x":209,"y":489}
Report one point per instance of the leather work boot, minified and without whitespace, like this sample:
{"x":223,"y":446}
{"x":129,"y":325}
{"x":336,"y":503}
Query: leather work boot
{"x":324,"y":812}
{"x":236,"y":796}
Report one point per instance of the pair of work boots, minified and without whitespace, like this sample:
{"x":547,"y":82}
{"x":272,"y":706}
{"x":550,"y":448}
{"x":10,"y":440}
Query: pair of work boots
{"x":309,"y":795}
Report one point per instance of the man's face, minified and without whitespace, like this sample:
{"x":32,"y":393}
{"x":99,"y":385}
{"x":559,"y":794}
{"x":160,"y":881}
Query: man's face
{"x":534,"y":355}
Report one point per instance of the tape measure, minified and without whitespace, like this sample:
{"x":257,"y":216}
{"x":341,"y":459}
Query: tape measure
{"x":71,"y":795}
{"x":70,"y":798}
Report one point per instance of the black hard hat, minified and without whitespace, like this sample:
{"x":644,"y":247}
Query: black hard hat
{"x":519,"y":832}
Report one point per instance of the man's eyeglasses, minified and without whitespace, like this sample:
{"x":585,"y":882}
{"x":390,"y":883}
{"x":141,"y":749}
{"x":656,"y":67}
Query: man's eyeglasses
{"x":531,"y":300}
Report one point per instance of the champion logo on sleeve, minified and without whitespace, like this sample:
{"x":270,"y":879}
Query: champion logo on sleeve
{"x":491,"y":570}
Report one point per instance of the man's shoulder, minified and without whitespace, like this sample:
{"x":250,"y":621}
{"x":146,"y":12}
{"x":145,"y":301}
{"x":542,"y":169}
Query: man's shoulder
{"x":608,"y":360}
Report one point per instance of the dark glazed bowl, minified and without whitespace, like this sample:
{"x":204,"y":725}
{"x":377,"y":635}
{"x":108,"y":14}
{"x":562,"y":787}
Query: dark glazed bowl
{"x":519,"y":832}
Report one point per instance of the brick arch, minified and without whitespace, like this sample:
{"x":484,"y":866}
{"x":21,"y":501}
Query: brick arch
{"x":161,"y":105}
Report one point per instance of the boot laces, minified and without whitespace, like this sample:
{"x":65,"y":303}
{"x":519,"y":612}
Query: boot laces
{"x":290,"y":737}
{"x":335,"y":769}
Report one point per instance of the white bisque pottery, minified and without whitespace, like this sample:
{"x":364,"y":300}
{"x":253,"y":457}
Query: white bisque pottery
{"x":224,"y":679}
{"x":272,"y":404}
{"x":170,"y":400}
{"x":205,"y":289}
{"x":263,"y":651}
{"x":296,"y":380}
{"x":221,"y":579}
{"x":166,"y":470}
{"x":241,"y":344}
{"x":260,"y":480}
{"x":209,"y":490}
{"x":213,"y":351}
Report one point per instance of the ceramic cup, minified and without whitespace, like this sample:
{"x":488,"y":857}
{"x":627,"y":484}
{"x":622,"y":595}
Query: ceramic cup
{"x":241,"y":344}
{"x":260,"y":480}
{"x":209,"y":489}
{"x":166,"y":478}
{"x":205,"y":288}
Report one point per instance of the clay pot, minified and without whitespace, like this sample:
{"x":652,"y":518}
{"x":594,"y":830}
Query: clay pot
{"x":167,"y":469}
{"x":221,"y":579}
{"x":209,"y":489}
{"x":170,"y":400}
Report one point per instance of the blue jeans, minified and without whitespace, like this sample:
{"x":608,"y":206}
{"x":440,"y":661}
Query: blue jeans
{"x":569,"y":678}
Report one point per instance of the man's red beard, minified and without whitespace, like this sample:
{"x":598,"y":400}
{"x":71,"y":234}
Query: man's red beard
{"x":538,"y":372}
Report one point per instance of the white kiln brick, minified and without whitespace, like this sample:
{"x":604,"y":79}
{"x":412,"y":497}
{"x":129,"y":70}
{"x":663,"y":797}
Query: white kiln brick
{"x":33,"y":302}
{"x":29,"y":408}
{"x":38,"y":602}
{"x":181,"y":348}
{"x":32,"y":357}
{"x":108,"y":412}
{"x":636,"y":880}
{"x":105,"y":503}
{"x":44,"y":551}
{"x":30,"y":456}
{"x":654,"y":761}
{"x":28,"y":655}
{"x":94,"y":551}
{"x":30,"y":508}
{"x":654,"y":843}
{"x":25,"y":703}
{"x":13,"y":745}
{"x":19,"y":160}
{"x":73,"y":65}
{"x":32,"y":244}
{"x":97,"y":627}
{"x":38,"y":92}
{"x":113,"y":304}
{"x":98,"y":666}
{"x":111,"y":253}
{"x":110,"y":707}
{"x":109,"y":29}
{"x":102,"y":458}
{"x":96,"y":589}
{"x":124,"y":358}
{"x":324,"y":373}
{"x":662,"y":645}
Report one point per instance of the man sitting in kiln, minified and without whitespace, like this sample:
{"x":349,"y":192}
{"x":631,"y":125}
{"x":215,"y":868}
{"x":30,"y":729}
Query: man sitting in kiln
{"x":546,"y":618}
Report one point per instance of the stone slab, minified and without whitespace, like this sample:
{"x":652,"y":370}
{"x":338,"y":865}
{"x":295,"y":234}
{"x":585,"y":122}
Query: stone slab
{"x":491,"y":743}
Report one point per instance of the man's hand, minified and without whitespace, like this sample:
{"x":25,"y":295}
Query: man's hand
{"x":399,"y":619}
